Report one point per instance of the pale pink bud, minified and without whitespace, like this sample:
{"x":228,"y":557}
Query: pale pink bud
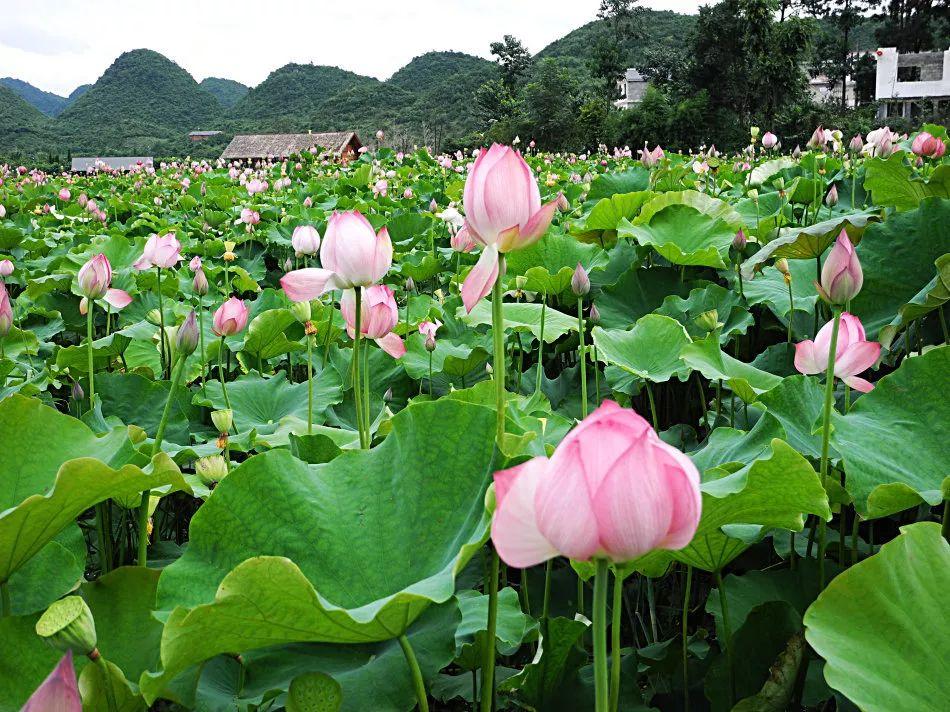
{"x":59,"y":691}
{"x":306,"y":240}
{"x":831,"y":199}
{"x":740,"y":241}
{"x":160,"y":251}
{"x":6,"y":268}
{"x":230,"y":318}
{"x":841,"y":275}
{"x":186,"y":340}
{"x":6,"y":311}
{"x":95,"y":276}
{"x":308,"y":202}
{"x":594,"y":315}
{"x":354,"y":252}
{"x":857,"y":143}
{"x":612,"y":489}
{"x":64,"y":194}
{"x":200,"y":283}
{"x":195,"y":263}
{"x":580,"y":282}
{"x":769,"y":140}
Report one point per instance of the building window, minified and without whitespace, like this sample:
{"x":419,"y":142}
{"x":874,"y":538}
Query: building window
{"x":908,"y":74}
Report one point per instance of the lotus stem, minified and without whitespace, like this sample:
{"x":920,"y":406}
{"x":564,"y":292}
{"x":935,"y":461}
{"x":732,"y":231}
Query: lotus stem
{"x":685,"y":633}
{"x":156,"y":448}
{"x":727,"y":638}
{"x":417,"y":681}
{"x":201,"y":339}
{"x":309,"y":383}
{"x":357,"y":382}
{"x":224,"y":387}
{"x":498,"y":363}
{"x":101,"y":534}
{"x":90,"y":362}
{"x":488,"y":664}
{"x":544,"y":308}
{"x":615,"y":610}
{"x":106,"y":680}
{"x":826,"y":438}
{"x":601,"y":693}
{"x":946,"y":520}
{"x":791,"y":309}
{"x":656,"y":421}
{"x":582,"y":355}
{"x":5,"y":608}
{"x":161,"y":323}
{"x":546,"y":600}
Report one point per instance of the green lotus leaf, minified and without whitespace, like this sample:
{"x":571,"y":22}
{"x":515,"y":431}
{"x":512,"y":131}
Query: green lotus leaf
{"x":358,"y":548}
{"x":267,"y":335}
{"x":688,"y":228}
{"x":882,"y":625}
{"x":932,"y":296}
{"x":22,"y":673}
{"x":523,"y":317}
{"x":736,"y":319}
{"x":637,"y":293}
{"x":650,"y":350}
{"x":773,"y":492}
{"x":747,"y":381}
{"x":53,"y":571}
{"x":104,"y":350}
{"x":261,"y":403}
{"x":549,"y":263}
{"x":897,"y":258}
{"x":635,"y":179}
{"x":809,"y":242}
{"x":892,"y":183}
{"x":513,"y":626}
{"x":893,"y":442}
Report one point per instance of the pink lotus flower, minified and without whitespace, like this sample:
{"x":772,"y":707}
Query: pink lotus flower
{"x":6,"y":311}
{"x":841,"y":275}
{"x":118,"y":299}
{"x":927,"y":145}
{"x":462,"y":240}
{"x":195,"y":264}
{"x":95,"y":276}
{"x":503,"y":212}
{"x":160,"y":251}
{"x":64,"y":195}
{"x":59,"y":692}
{"x":255,"y":186}
{"x":853,"y":353}
{"x":230,"y":318}
{"x":611,"y":489}
{"x":378,"y":317}
{"x":428,"y":328}
{"x":352,"y":255}
{"x":769,"y":140}
{"x":306,"y":240}
{"x":6,"y":268}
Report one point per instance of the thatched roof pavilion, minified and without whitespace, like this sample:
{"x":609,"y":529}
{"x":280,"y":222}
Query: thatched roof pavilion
{"x":257,"y":146}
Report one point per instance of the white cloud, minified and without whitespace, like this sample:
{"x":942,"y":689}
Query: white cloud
{"x":60,"y":44}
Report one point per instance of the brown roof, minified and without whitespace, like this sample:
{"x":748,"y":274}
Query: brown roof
{"x":283,"y":145}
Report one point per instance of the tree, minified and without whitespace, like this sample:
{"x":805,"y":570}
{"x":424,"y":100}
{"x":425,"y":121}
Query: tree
{"x":514,"y":59}
{"x":551,"y":102}
{"x":836,"y":51}
{"x":914,"y":25}
{"x":608,"y":61}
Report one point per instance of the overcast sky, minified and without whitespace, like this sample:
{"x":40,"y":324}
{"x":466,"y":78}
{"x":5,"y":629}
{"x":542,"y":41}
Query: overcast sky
{"x":60,"y":44}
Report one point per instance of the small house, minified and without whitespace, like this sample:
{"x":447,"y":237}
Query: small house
{"x":632,"y":88}
{"x":202,"y":135}
{"x":342,"y":144}
{"x":903,"y":81}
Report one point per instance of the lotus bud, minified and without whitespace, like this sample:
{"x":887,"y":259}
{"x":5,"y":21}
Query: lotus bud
{"x":95,"y":276}
{"x":563,"y":204}
{"x":594,"y":316}
{"x":739,"y":241}
{"x":433,"y":206}
{"x":223,"y":420}
{"x":186,"y":340}
{"x":857,"y":143}
{"x":769,"y":140}
{"x":308,"y":202}
{"x":488,"y":369}
{"x":288,"y":265}
{"x":708,"y":320}
{"x":410,"y":284}
{"x":200,"y":283}
{"x":6,"y":311}
{"x":301,"y":311}
{"x":195,"y":263}
{"x":797,"y":152}
{"x":388,"y":395}
{"x":76,"y":392}
{"x":68,"y":625}
{"x":211,"y":469}
{"x":841,"y":275}
{"x":580,"y":282}
{"x":84,"y":306}
{"x":831,"y":199}
{"x":153,"y":317}
{"x":6,"y":268}
{"x":430,"y":343}
{"x":754,"y":133}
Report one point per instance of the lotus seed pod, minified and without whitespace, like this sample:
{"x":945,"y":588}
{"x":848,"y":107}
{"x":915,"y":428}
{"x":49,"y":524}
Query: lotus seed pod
{"x":708,"y":320}
{"x":223,"y":420}
{"x":68,"y":625}
{"x":301,"y":311}
{"x":211,"y":469}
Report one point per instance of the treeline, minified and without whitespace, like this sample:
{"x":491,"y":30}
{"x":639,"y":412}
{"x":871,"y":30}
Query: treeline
{"x":742,"y":63}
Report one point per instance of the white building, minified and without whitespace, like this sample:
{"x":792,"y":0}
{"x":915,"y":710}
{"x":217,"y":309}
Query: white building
{"x":906,"y":79}
{"x":632,"y":88}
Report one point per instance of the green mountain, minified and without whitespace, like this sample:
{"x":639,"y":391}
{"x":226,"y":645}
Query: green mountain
{"x":662,"y":29}
{"x":47,"y":102}
{"x":142,"y":98}
{"x":21,"y":125}
{"x":227,"y":91}
{"x":78,"y":92}
{"x":292,"y":95}
{"x":440,"y":69}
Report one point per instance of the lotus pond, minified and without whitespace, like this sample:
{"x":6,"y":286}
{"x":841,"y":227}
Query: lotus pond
{"x":625,"y":431}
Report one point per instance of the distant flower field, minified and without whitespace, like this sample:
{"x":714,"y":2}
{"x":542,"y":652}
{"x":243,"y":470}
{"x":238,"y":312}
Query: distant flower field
{"x":517,"y":430}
